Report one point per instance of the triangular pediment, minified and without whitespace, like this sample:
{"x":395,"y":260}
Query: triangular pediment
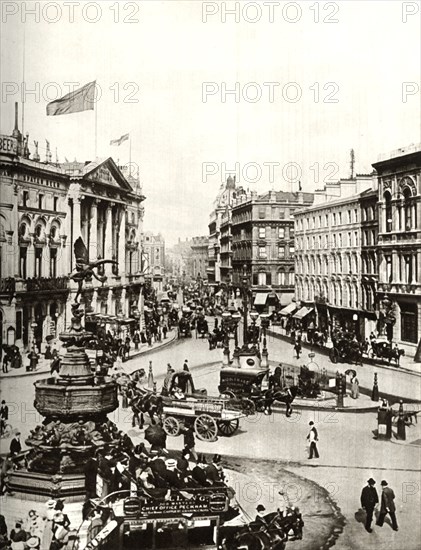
{"x":106,"y":172}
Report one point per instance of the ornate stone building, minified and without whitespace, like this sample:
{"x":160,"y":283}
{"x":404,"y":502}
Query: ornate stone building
{"x":328,"y":246}
{"x":228,"y":193}
{"x":44,"y":208}
{"x":154,"y":259}
{"x":399,"y":245}
{"x":263,"y":240}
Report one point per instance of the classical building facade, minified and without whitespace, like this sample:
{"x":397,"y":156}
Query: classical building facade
{"x":399,"y":245}
{"x":154,"y":259}
{"x":263,"y":241}
{"x":328,"y":254}
{"x":44,"y":208}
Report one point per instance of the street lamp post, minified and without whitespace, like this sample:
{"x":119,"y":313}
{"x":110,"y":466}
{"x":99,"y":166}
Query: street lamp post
{"x":245,"y":285}
{"x":226,"y":318}
{"x":264,"y":321}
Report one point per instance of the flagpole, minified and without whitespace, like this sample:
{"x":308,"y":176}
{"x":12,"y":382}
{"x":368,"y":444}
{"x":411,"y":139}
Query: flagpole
{"x":130,"y":154}
{"x":23,"y":80}
{"x":96,"y":130}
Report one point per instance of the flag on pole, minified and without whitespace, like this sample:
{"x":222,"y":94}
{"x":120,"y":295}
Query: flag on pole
{"x":120,"y":140}
{"x":82,"y":99}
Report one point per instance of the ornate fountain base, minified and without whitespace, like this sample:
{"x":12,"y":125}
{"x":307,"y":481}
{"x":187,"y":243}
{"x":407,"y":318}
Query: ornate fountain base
{"x":41,"y":487}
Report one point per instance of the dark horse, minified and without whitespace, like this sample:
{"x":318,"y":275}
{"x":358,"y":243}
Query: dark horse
{"x":267,"y":398}
{"x":147,"y":402}
{"x":272,"y":535}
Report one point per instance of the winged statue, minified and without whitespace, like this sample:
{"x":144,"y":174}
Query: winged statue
{"x":84,"y":270}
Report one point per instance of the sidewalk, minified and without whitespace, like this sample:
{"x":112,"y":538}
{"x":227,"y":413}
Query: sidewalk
{"x":406,"y":364}
{"x":44,"y":364}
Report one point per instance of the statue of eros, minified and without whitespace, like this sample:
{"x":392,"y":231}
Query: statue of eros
{"x":84,"y":270}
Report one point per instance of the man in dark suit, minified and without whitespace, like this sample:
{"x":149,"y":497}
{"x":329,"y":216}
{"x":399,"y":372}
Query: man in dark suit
{"x":369,"y":500}
{"x":387,"y":506}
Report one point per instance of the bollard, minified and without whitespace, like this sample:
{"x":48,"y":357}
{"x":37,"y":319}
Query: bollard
{"x":375,"y":392}
{"x":339,"y":386}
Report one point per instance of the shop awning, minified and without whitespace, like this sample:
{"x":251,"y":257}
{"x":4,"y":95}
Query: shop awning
{"x":288,"y":310}
{"x":260,"y":299}
{"x":303,"y":312}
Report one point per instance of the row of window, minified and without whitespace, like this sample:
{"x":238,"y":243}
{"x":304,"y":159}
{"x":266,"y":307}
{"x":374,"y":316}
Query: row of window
{"x":328,"y":220}
{"x":338,"y":294}
{"x":41,"y":201}
{"x":405,"y":213}
{"x":282,"y":278}
{"x":264,"y":232}
{"x":337,"y":240}
{"x":325,"y":265}
{"x":406,"y":268}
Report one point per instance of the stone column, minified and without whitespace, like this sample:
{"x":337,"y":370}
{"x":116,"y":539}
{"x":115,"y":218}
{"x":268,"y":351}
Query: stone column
{"x":93,"y":231}
{"x":414,"y":268}
{"x":395,"y":267}
{"x":30,"y":258}
{"x":76,"y":221}
{"x":108,"y":237}
{"x":110,"y":302}
{"x":123,"y":302}
{"x":382,"y":218}
{"x":122,"y":245}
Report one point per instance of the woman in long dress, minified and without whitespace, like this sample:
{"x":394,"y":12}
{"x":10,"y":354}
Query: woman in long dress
{"x":355,"y":388}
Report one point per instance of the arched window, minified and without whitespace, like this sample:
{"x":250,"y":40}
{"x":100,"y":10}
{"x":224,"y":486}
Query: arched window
{"x":407,"y":196}
{"x":23,"y":228}
{"x":388,"y":201}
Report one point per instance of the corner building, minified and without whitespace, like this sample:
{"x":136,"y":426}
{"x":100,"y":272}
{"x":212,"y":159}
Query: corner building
{"x":44,"y":208}
{"x":399,"y":244}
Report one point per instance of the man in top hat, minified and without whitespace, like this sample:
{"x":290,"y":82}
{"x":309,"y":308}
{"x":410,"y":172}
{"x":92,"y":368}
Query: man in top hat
{"x":213,"y":471}
{"x":387,"y":506}
{"x":369,"y":500}
{"x":260,"y":518}
{"x":15,"y":445}
{"x":199,"y":472}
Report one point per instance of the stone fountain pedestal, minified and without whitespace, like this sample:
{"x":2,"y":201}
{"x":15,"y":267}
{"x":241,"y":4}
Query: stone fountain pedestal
{"x":75,"y":407}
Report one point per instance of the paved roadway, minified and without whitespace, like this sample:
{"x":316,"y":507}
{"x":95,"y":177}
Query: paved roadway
{"x":349,"y":454}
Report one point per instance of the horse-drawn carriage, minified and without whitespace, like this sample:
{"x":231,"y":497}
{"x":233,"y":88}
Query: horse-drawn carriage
{"x":346,"y":350}
{"x":201,"y":327}
{"x":184,"y":405}
{"x":383,"y":349}
{"x":184,"y":328}
{"x":251,"y":380}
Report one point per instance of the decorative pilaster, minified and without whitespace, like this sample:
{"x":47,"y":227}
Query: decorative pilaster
{"x":122,"y":244}
{"x":76,"y":221}
{"x":108,"y":238}
{"x":93,"y":231}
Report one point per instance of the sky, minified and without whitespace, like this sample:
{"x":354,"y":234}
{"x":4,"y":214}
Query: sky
{"x":338,"y":71}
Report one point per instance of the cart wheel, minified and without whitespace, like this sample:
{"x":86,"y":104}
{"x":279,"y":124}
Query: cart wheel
{"x":334,"y":355}
{"x":171,"y":426}
{"x":228,"y":427}
{"x":205,"y":428}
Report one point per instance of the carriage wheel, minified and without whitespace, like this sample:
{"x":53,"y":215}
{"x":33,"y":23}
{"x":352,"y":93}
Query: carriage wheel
{"x":172,"y":426}
{"x":228,"y":427}
{"x":334,"y":355}
{"x":205,"y":428}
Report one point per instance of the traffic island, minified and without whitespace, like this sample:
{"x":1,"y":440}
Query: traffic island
{"x":264,"y":482}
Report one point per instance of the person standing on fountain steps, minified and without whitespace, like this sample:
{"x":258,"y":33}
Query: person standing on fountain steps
{"x":313,"y":438}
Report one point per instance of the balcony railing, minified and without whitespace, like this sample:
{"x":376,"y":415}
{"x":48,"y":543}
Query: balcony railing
{"x":46,"y":283}
{"x":7,"y":285}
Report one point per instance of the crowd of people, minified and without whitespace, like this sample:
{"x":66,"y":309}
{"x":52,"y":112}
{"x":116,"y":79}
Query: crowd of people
{"x":50,"y":530}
